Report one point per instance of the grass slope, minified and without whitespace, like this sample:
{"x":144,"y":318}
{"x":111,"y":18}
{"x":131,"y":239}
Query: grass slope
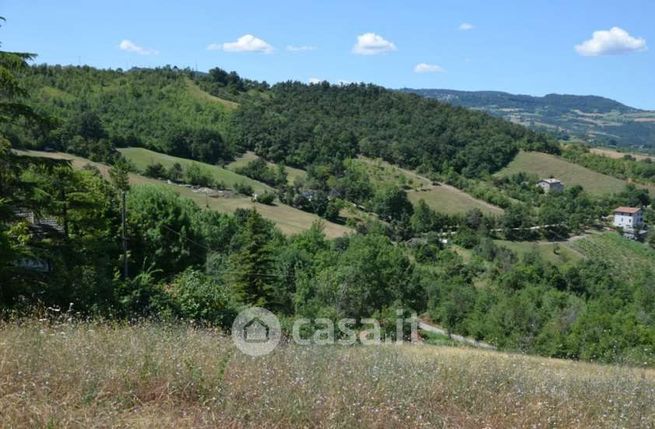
{"x":288,"y":219}
{"x":545,"y":165}
{"x":146,"y":375}
{"x":292,"y":173}
{"x":554,"y":252}
{"x":440,"y":197}
{"x":144,"y":157}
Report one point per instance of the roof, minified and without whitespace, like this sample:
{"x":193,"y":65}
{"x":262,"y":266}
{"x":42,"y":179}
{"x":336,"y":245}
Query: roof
{"x":630,"y":210}
{"x":551,"y":181}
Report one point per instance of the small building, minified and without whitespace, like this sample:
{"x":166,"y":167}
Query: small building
{"x":551,"y":185}
{"x":628,"y":218}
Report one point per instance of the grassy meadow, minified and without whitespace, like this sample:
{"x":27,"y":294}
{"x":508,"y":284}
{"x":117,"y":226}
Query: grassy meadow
{"x":545,"y":165}
{"x":148,"y":375}
{"x":551,"y":251}
{"x":141,"y":158}
{"x":448,"y":199}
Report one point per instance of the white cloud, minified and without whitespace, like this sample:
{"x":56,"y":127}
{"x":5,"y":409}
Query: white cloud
{"x":428,"y":68}
{"x":292,"y":48}
{"x":372,"y":44}
{"x":314,"y":80}
{"x":466,"y":26}
{"x":245,"y":43}
{"x":610,"y":42}
{"x":129,"y":46}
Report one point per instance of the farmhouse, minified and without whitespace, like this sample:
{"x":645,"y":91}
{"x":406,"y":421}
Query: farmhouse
{"x":551,"y":185}
{"x":631,"y":221}
{"x":628,"y":217}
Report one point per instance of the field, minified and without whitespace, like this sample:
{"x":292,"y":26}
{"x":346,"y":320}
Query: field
{"x":292,"y":173}
{"x":440,"y":197}
{"x":628,"y":258}
{"x":611,"y":153}
{"x":448,"y":199}
{"x":288,"y":219}
{"x":545,"y":165}
{"x":146,"y":375}
{"x":554,"y":252}
{"x":141,"y":158}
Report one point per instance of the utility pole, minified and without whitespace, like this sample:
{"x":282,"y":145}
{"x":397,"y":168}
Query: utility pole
{"x":124,"y":221}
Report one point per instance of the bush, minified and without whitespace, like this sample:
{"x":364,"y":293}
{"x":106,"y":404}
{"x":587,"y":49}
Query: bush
{"x":265,"y":198}
{"x":243,"y":188}
{"x":201,"y":298}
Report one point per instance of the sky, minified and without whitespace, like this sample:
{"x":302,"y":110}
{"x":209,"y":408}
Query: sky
{"x":535,"y":47}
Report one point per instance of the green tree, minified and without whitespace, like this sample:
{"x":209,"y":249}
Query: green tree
{"x":252,"y":273}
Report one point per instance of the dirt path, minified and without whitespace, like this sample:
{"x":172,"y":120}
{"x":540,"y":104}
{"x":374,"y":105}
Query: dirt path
{"x":459,"y":338}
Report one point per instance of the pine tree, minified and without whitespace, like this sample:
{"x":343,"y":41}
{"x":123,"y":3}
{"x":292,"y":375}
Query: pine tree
{"x":252,"y":265}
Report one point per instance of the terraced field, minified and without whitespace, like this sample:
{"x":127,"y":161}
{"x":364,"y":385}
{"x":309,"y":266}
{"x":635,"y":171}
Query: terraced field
{"x":288,"y":219}
{"x":545,"y":165}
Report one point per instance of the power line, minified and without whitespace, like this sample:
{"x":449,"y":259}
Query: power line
{"x":214,"y":250}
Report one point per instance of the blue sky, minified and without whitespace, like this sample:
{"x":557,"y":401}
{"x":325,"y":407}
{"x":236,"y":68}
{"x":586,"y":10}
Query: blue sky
{"x":526,"y":46}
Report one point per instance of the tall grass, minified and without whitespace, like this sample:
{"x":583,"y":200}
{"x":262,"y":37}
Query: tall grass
{"x":148,"y":375}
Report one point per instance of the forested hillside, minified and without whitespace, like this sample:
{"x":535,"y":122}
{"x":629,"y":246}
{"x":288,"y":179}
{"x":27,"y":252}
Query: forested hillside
{"x":305,"y":124}
{"x":94,"y":111}
{"x":597,"y":120}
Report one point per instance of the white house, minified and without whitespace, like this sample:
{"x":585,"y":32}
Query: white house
{"x":551,"y":185}
{"x":628,"y":218}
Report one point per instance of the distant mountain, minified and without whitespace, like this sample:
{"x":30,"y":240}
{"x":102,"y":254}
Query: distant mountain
{"x":597,"y":120}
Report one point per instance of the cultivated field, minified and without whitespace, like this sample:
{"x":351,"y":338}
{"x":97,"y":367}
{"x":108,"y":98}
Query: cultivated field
{"x":629,"y":259}
{"x":145,"y":375}
{"x":611,"y":153}
{"x":288,"y":219}
{"x":545,"y":165}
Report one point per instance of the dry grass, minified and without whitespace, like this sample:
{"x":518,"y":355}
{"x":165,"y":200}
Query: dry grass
{"x":611,"y":153}
{"x":99,"y":375}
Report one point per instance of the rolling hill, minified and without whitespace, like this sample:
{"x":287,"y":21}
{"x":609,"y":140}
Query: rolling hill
{"x":597,"y":120}
{"x":545,"y":165}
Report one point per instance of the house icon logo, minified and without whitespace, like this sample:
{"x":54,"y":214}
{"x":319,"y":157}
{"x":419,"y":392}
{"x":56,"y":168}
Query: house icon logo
{"x":256,"y":331}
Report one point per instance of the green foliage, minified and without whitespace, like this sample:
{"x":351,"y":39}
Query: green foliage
{"x":162,"y":236}
{"x":252,"y":265}
{"x":307,"y":124}
{"x":201,"y":298}
{"x":390,"y":202}
{"x":99,"y":110}
{"x":266,"y":197}
{"x":243,"y":188}
{"x":258,"y":169}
